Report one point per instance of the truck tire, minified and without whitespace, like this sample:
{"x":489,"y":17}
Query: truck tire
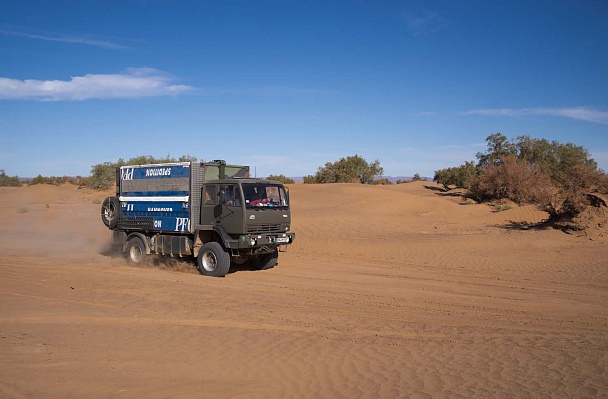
{"x":213,"y":260}
{"x":136,"y":252}
{"x":109,"y":212}
{"x":267,"y":261}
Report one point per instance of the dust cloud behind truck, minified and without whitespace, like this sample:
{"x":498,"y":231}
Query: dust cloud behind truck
{"x":211,"y":211}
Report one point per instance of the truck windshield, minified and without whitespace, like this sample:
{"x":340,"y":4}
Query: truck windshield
{"x":259,"y":194}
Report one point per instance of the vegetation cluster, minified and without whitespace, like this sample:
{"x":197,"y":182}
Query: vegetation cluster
{"x":7,"y":181}
{"x":559,"y":178}
{"x":352,"y":169}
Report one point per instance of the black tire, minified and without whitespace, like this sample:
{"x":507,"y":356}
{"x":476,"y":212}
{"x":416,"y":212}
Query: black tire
{"x":267,"y":261}
{"x":109,"y":211}
{"x":136,"y":252}
{"x":213,"y":260}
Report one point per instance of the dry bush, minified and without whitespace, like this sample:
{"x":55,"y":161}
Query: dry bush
{"x":519,"y":181}
{"x":573,"y":196}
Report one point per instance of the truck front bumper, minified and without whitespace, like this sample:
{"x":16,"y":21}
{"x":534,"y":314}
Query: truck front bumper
{"x":265,"y":240}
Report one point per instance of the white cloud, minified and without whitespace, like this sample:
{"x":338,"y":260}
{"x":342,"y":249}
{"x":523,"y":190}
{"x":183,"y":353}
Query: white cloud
{"x":581,"y":113}
{"x":133,"y":83}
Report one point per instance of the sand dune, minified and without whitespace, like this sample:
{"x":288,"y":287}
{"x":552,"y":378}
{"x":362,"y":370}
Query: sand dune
{"x":389,"y":291}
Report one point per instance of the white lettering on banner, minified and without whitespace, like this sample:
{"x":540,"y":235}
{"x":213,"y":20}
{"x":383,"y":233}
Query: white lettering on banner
{"x":158,"y":224}
{"x":127,"y":174}
{"x":160,"y":209}
{"x":129,"y":207}
{"x":158,"y":172}
{"x":182,"y":224}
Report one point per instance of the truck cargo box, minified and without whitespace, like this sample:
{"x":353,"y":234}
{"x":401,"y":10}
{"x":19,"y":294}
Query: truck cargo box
{"x":166,"y":197}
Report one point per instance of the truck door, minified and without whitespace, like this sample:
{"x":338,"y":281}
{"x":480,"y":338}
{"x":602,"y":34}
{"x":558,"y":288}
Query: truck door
{"x":223,"y":206}
{"x":210,"y":200}
{"x":230,"y":214}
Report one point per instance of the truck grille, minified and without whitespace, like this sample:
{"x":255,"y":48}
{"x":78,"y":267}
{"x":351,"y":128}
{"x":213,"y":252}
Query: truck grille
{"x":265,"y":229}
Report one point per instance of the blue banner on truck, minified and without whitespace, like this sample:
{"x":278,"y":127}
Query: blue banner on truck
{"x":155,"y":182}
{"x":157,"y":193}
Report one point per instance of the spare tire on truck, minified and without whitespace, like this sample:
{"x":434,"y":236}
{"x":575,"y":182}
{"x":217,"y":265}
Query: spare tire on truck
{"x":109,"y":211}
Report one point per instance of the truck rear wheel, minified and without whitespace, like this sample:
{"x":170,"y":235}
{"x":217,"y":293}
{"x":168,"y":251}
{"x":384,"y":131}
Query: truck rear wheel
{"x":266,"y":261}
{"x":109,"y":211}
{"x":213,"y":260}
{"x":136,"y":252}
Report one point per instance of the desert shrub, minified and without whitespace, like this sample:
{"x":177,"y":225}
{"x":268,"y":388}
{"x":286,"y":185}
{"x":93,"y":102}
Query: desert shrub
{"x":572,"y":197}
{"x":518,"y":181}
{"x":103,"y":176}
{"x":554,"y":176}
{"x":281,"y":178}
{"x":416,"y":177}
{"x":352,"y":169}
{"x":44,"y":180}
{"x":382,"y":182}
{"x":462,"y":176}
{"x":7,"y":181}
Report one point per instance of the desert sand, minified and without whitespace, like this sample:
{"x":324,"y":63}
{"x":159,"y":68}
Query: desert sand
{"x":388,"y":292}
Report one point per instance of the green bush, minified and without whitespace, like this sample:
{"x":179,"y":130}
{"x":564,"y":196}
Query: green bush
{"x":352,"y":169}
{"x":6,"y":181}
{"x":555,"y":177}
{"x":463,"y":176}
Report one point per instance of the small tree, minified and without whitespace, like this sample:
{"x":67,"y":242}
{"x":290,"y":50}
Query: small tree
{"x":347,"y":170}
{"x":462,"y":176}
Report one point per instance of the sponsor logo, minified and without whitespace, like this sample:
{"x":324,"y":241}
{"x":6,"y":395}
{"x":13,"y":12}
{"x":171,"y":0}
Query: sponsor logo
{"x":160,"y":209}
{"x":182,"y":224}
{"x":158,"y":172}
{"x":126,"y":173}
{"x":158,"y":224}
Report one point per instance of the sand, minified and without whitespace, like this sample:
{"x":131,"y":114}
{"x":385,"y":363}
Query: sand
{"x":388,"y":291}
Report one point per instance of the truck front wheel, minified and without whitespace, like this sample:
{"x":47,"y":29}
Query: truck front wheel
{"x":213,"y":260}
{"x":136,"y":251}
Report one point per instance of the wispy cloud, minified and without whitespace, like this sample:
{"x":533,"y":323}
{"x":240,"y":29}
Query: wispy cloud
{"x":133,"y":83}
{"x":581,"y":113}
{"x":77,"y":39}
{"x":422,"y":23}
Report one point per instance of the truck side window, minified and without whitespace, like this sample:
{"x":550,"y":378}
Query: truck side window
{"x":231,"y":196}
{"x":210,"y":195}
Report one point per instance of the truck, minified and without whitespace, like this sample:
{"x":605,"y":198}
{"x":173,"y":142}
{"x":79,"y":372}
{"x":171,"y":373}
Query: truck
{"x":211,"y":211}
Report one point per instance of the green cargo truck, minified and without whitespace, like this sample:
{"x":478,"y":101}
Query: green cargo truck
{"x":211,"y":211}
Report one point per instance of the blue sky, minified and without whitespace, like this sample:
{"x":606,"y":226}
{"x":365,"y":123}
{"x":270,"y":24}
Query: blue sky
{"x":286,"y":86}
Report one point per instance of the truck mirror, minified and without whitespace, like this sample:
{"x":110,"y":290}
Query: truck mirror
{"x":222,"y":195}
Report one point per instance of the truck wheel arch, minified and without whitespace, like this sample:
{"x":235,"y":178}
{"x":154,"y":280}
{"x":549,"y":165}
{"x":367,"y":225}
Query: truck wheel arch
{"x":143,"y":239}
